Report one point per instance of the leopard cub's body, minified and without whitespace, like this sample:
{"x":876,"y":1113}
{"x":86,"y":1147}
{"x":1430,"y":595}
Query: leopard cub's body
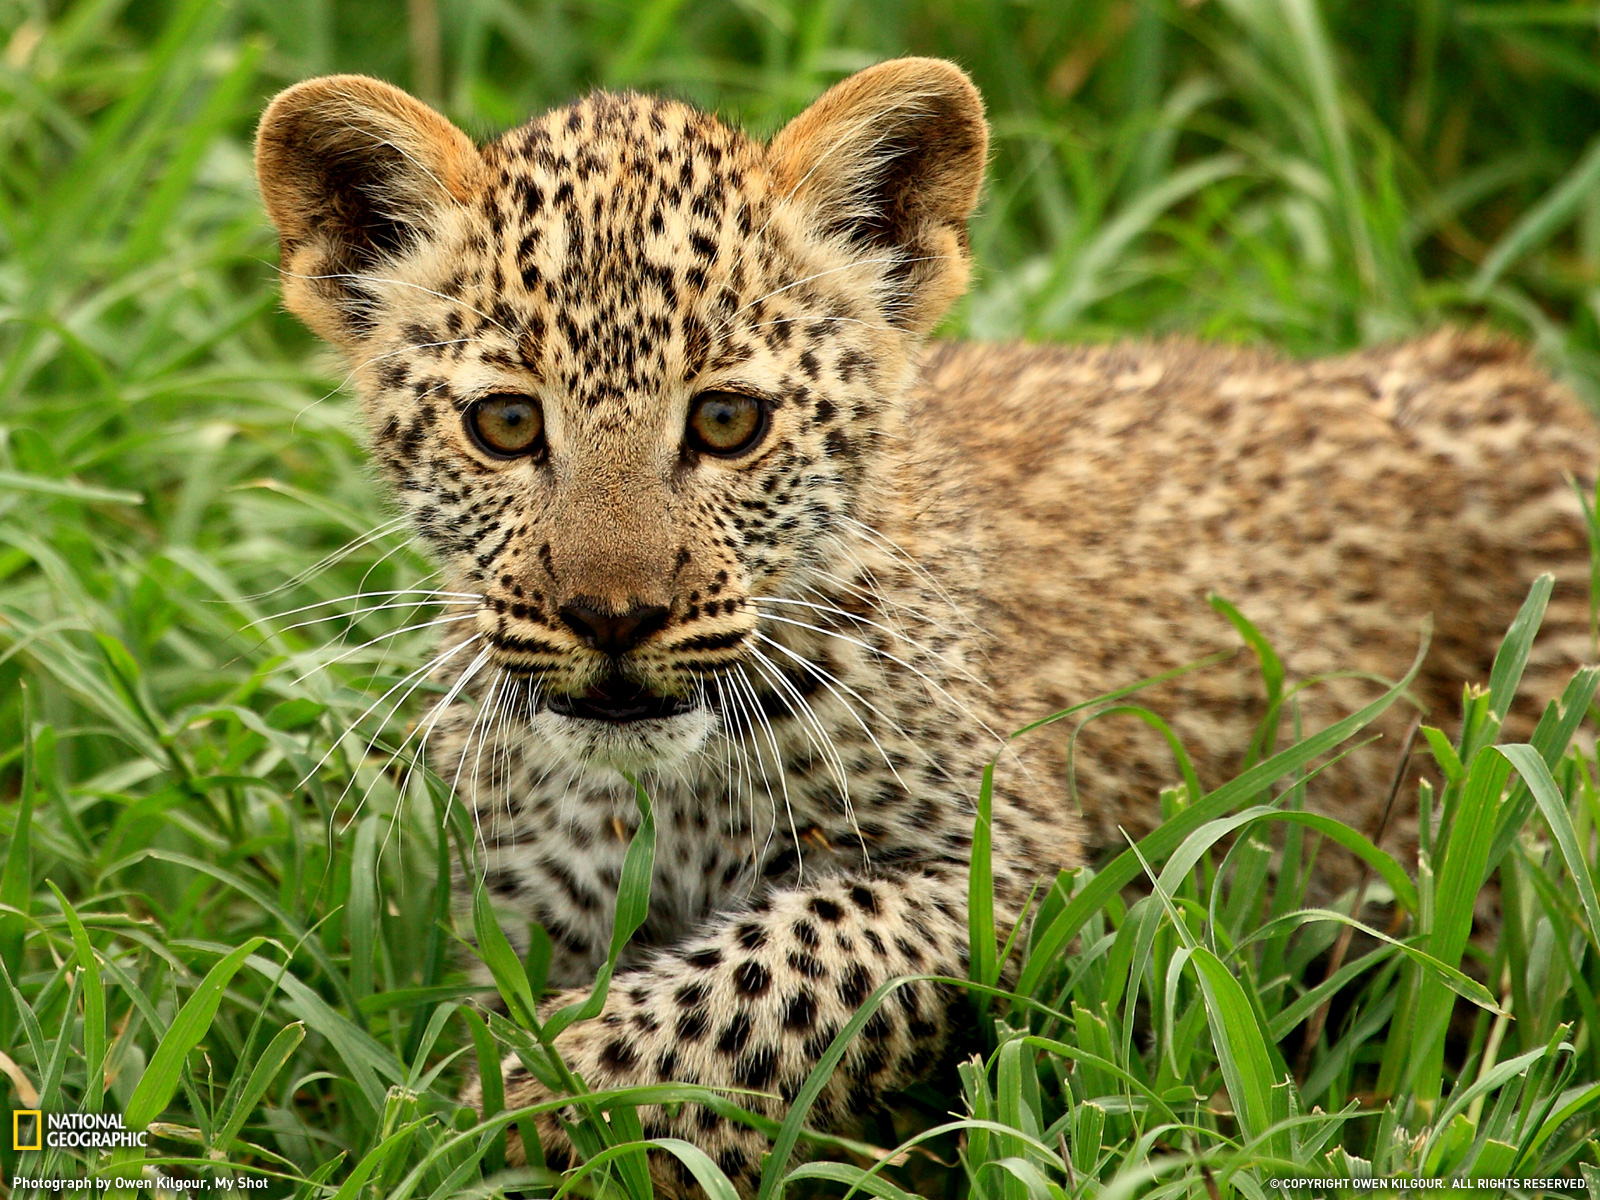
{"x":656,"y":395}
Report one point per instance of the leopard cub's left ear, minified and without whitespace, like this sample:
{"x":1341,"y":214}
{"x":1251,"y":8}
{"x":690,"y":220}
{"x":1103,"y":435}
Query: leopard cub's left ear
{"x":891,"y":160}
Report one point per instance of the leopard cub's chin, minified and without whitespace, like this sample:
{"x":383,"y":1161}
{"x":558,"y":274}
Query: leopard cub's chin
{"x":639,"y":745}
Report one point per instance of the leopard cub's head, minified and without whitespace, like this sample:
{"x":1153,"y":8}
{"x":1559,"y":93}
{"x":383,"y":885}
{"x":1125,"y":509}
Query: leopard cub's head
{"x":628,"y":370}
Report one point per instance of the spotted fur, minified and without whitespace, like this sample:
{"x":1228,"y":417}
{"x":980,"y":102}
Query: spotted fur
{"x":927,"y":548}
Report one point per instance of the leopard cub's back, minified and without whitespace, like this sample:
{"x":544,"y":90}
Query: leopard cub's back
{"x":1337,"y":502}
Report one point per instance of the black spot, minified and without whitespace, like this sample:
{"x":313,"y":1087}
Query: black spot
{"x":750,"y":978}
{"x":800,"y":1013}
{"x":805,"y":965}
{"x":855,"y":985}
{"x":732,"y":1161}
{"x":619,"y":1055}
{"x":757,"y":1070}
{"x":872,"y":1061}
{"x":817,"y":1044}
{"x":692,"y":1025}
{"x":806,"y":934}
{"x":734,"y":1035}
{"x":877,"y":1028}
{"x":864,"y":898}
{"x":690,"y":995}
{"x":875,"y":942}
{"x":826,"y":909}
{"x":557,"y":1157}
{"x":705,"y":959}
{"x":393,"y":374}
{"x":503,"y":882}
{"x":863,"y":1099}
{"x":911,"y":953}
{"x":751,"y":936}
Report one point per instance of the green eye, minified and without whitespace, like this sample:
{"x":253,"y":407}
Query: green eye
{"x":506,"y":426}
{"x":726,"y":424}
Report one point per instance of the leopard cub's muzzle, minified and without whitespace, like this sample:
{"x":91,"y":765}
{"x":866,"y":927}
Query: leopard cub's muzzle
{"x":621,"y":677}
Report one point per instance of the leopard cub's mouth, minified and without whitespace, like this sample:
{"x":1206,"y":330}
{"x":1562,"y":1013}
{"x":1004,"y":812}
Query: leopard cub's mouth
{"x":618,"y":702}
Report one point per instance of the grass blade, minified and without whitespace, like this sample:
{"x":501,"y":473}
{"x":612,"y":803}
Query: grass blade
{"x":266,"y":1069}
{"x":1530,"y":765}
{"x":94,"y":1008}
{"x":1512,"y":658}
{"x":160,"y":1079}
{"x":1540,"y":222}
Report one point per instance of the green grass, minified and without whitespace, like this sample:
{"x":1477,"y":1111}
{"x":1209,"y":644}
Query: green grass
{"x":202,"y":928}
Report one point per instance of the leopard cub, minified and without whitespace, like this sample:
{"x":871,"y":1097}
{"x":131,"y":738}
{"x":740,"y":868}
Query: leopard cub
{"x":659,"y":398}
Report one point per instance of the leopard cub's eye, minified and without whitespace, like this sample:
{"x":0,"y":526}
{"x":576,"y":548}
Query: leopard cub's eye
{"x":726,"y":424}
{"x":505,"y":426}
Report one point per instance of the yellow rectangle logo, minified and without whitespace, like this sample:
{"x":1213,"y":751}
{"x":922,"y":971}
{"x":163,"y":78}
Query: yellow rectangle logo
{"x":27,"y":1129}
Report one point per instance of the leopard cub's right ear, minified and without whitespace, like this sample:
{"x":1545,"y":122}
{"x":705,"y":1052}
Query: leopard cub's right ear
{"x":353,"y":172}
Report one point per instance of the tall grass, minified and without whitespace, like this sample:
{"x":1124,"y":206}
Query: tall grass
{"x":223,"y":912}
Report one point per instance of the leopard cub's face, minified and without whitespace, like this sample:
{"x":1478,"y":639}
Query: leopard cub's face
{"x":628,"y":371}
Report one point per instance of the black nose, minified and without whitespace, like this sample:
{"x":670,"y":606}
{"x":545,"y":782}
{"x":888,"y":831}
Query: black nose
{"x":613,"y":633}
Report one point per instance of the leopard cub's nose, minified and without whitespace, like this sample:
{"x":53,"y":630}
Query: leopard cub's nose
{"x":613,"y":633}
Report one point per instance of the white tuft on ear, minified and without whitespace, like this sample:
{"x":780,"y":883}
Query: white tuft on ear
{"x":353,"y":171}
{"x":891,"y":161}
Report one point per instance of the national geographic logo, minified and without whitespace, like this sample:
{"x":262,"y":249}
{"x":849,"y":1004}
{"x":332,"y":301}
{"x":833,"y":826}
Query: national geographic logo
{"x":32,"y":1129}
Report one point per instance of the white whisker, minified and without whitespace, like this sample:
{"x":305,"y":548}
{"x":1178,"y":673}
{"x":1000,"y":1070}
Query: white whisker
{"x":343,"y":552}
{"x":731,"y":748}
{"x":752,"y":771}
{"x":434,"y":663}
{"x":829,"y":682}
{"x":884,"y":542}
{"x":294,"y":425}
{"x":783,"y":776}
{"x":453,"y":598}
{"x":390,"y":553}
{"x":488,"y":711}
{"x":403,"y":283}
{"x":830,"y":752}
{"x":426,"y":725}
{"x":874,"y":595}
{"x":809,"y":318}
{"x":412,"y":734}
{"x":937,"y":688}
{"x":351,"y":616}
{"x":848,"y":615}
{"x":383,"y":637}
